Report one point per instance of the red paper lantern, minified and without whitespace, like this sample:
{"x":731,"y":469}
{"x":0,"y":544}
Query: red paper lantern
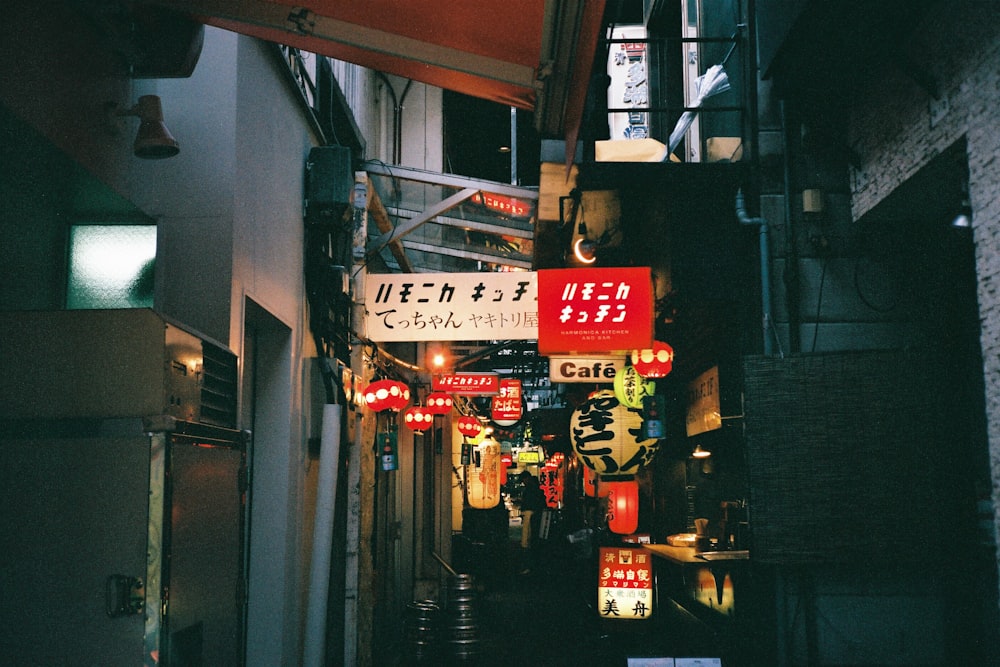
{"x":439,"y":403}
{"x":387,"y":395}
{"x":506,"y":461}
{"x":593,"y":487}
{"x":418,"y":418}
{"x":623,"y":506}
{"x":469,"y":426}
{"x":399,"y":395}
{"x":655,"y":362}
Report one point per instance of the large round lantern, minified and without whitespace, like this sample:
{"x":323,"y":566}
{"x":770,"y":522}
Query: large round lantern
{"x":469,"y":426}
{"x":439,"y":403}
{"x":631,"y":388}
{"x":417,"y":418}
{"x":655,"y":362}
{"x":623,"y":506}
{"x":387,"y":395}
{"x":607,"y":436}
{"x":483,"y":479}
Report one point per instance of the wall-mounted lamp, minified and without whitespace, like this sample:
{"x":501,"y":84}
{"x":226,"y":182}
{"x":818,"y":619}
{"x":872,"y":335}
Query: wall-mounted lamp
{"x":585,"y":250}
{"x":963,"y":217}
{"x":153,"y":141}
{"x":700,"y":453}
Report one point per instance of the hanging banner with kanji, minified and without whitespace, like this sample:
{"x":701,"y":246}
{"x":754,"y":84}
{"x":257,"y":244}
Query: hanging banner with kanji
{"x":625,"y":583}
{"x":550,"y":479}
{"x":594,"y":310}
{"x":451,"y":306}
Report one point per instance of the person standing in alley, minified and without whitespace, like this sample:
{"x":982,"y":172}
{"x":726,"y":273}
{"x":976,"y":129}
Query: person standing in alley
{"x":531,"y":505}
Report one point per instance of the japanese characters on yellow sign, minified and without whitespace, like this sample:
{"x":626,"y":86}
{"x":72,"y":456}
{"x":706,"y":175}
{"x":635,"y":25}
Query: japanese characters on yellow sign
{"x":625,"y":583}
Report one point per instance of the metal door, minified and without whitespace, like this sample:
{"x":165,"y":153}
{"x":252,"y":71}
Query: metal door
{"x":73,"y":525}
{"x":203,"y":575}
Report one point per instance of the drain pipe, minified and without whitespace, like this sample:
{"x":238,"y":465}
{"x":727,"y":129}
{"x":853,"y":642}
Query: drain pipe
{"x":765,"y":268}
{"x":397,"y":116}
{"x":314,"y":654}
{"x":792,"y":288}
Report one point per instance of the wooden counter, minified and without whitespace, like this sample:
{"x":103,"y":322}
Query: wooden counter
{"x":688,"y":555}
{"x":680,"y":555}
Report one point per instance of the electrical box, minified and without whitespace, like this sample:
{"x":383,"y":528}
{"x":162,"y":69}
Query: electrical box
{"x":329,"y":183}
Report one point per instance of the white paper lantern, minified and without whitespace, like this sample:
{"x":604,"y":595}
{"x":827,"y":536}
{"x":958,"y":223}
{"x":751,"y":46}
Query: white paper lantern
{"x":483,"y":480}
{"x":607,"y":436}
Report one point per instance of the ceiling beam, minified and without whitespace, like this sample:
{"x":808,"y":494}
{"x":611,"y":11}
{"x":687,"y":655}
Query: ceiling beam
{"x":378,"y":213}
{"x":303,"y":21}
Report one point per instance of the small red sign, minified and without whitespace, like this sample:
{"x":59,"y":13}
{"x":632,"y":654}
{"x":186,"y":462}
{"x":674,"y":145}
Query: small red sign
{"x":506,"y":407}
{"x":594,"y":310}
{"x":505,"y":205}
{"x":467,"y":384}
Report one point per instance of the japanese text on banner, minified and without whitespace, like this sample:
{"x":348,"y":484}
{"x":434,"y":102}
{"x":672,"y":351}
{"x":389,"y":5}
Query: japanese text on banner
{"x":452,"y":306}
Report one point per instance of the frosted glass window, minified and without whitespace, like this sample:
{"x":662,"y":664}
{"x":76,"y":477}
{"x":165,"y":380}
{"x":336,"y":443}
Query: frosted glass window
{"x":111,"y":266}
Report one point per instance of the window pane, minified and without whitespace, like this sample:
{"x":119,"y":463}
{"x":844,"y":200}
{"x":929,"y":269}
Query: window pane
{"x":111,"y":266}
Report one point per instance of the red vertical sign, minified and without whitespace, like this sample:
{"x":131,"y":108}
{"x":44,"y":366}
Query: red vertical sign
{"x":506,"y":406}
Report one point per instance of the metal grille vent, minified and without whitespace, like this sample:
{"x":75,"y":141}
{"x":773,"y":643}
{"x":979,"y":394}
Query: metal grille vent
{"x":219,"y":384}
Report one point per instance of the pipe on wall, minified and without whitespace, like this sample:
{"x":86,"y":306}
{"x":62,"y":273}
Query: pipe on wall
{"x":792,"y":288}
{"x":314,"y":653}
{"x":765,"y":268}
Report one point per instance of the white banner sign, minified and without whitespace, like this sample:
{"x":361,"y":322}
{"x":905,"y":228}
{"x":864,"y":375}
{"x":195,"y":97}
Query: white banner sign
{"x":585,"y":369}
{"x":451,"y":306}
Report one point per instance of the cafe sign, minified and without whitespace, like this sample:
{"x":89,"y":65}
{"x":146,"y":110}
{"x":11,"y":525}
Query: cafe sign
{"x":585,"y":369}
{"x":594,"y":310}
{"x":625,"y":583}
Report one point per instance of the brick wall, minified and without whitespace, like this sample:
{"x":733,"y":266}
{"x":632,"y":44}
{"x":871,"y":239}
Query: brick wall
{"x":897,"y":127}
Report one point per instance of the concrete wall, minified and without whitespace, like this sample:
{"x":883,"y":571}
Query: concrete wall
{"x":228,"y":211}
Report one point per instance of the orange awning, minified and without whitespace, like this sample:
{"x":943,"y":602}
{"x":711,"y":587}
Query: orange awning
{"x":530,"y":54}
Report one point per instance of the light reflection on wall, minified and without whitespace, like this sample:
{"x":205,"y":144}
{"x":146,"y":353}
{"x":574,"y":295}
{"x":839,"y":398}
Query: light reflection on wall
{"x":111,"y":266}
{"x":714,"y":593}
